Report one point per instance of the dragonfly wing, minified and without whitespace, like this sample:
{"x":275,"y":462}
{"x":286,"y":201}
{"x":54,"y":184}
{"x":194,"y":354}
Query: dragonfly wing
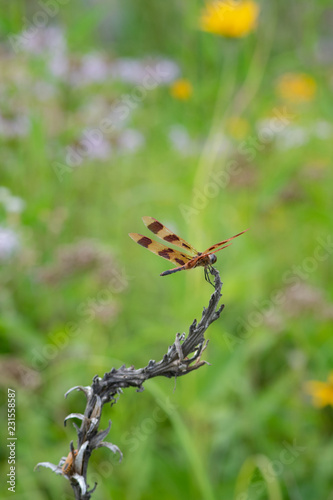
{"x":165,"y":234}
{"x":214,"y":247}
{"x":174,"y":256}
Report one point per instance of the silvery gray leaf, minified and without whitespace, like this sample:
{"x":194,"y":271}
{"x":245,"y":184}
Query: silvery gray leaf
{"x":81,"y":481}
{"x":100,"y":436}
{"x":48,"y":465}
{"x":87,"y":390}
{"x":80,"y":455}
{"x":111,"y":447}
{"x":74,"y":415}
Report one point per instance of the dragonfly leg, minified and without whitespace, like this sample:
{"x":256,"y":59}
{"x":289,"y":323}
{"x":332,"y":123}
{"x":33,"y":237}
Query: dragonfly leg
{"x":207,"y":277}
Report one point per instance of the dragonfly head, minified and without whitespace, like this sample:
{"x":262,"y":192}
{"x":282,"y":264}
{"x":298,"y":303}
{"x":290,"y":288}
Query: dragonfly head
{"x":212,"y":258}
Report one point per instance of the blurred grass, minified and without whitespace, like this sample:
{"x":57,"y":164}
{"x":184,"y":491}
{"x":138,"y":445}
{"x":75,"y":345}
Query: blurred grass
{"x":250,"y":401}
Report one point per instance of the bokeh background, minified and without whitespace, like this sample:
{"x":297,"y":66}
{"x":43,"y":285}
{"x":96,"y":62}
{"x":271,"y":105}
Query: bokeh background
{"x":212,"y":123}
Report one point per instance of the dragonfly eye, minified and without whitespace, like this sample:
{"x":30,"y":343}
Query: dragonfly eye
{"x":213,"y":258}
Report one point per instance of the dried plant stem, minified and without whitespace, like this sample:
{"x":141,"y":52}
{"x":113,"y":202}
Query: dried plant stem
{"x":182,"y":357}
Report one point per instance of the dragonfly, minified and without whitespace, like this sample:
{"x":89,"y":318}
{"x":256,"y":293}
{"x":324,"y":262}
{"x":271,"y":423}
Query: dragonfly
{"x":184,"y":261}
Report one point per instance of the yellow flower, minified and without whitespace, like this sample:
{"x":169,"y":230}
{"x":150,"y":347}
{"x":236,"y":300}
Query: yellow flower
{"x":230,"y":18}
{"x":296,"y":87}
{"x":321,"y":392}
{"x":181,"y":89}
{"x":237,"y":127}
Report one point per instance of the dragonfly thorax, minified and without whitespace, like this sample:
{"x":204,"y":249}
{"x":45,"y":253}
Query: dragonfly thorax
{"x":212,"y":258}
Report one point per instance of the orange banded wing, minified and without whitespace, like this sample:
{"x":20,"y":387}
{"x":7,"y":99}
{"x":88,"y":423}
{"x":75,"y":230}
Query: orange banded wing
{"x":214,"y":247}
{"x":165,"y":234}
{"x":225,"y":246}
{"x":174,"y":256}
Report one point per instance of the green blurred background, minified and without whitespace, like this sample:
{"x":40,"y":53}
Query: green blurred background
{"x":226,"y":134}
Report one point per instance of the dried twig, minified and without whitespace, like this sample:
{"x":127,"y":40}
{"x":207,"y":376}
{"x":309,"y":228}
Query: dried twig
{"x":182,"y":357}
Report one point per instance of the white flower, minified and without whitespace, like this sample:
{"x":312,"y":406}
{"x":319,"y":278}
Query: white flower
{"x":59,"y":64}
{"x":130,"y":140}
{"x":292,"y":137}
{"x":93,"y":68}
{"x":266,"y":128}
{"x":180,"y":139}
{"x":136,"y":71}
{"x":43,"y":39}
{"x":100,"y":150}
{"x":9,"y":242}
{"x":12,"y":204}
{"x":50,"y":42}
{"x":128,"y":70}
{"x":168,"y":70}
